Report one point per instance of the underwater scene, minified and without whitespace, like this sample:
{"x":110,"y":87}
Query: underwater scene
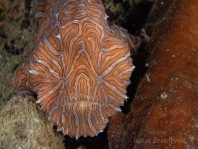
{"x":98,"y":74}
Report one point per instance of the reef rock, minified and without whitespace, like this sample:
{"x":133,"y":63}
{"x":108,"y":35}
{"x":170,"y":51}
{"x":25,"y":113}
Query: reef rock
{"x":23,"y":125}
{"x":164,"y":112}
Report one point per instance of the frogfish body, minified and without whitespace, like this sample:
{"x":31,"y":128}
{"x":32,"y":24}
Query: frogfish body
{"x":80,"y":66}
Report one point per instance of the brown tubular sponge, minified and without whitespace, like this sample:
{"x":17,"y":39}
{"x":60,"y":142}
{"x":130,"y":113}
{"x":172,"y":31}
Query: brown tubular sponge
{"x":164,"y":113}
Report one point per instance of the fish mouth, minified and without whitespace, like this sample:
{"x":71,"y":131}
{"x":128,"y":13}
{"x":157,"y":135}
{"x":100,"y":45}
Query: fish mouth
{"x":82,"y":105}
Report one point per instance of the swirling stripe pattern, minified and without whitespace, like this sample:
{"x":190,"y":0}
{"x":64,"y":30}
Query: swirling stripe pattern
{"x":80,"y":66}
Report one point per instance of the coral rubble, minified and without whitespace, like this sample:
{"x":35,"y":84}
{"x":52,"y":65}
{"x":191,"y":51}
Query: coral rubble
{"x":23,"y":125}
{"x":17,"y":34}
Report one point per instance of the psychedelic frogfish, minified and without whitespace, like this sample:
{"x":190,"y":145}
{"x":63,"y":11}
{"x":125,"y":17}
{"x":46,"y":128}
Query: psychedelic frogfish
{"x":80,"y":66}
